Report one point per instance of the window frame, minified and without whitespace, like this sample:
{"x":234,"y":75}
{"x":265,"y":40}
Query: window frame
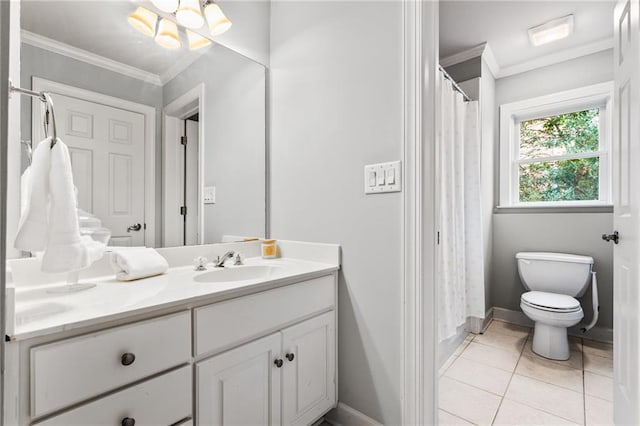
{"x":511,"y":114}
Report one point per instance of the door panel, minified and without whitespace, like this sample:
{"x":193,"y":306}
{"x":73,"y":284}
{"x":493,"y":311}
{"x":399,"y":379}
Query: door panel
{"x":308,"y":378}
{"x":626,"y":156}
{"x":241,"y":386}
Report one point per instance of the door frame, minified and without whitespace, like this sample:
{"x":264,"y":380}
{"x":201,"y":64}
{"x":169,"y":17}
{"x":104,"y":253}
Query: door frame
{"x":182,"y":107}
{"x":40,"y":84}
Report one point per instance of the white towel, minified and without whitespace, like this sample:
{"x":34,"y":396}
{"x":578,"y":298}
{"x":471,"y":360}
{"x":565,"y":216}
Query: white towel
{"x":50,"y":220}
{"x":137,"y":262}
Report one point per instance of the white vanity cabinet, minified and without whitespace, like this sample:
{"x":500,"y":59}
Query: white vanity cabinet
{"x":264,"y":356}
{"x":285,"y":378}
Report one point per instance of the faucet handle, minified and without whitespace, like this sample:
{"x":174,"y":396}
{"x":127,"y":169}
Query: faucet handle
{"x":238,"y":259}
{"x":199,"y":263}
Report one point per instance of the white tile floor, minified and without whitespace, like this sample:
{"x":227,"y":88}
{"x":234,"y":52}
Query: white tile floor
{"x":495,"y":378}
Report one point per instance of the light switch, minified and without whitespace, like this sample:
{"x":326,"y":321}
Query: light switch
{"x":209,"y":196}
{"x":391,"y":176}
{"x":372,"y":178}
{"x":382,"y":177}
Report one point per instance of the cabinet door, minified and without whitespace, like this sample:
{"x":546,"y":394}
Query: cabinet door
{"x":241,"y":386}
{"x":308,"y":374}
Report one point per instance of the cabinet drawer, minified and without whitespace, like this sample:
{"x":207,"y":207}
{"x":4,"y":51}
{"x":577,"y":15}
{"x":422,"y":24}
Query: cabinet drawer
{"x":254,"y":315}
{"x":70,"y":371}
{"x":165,"y":400}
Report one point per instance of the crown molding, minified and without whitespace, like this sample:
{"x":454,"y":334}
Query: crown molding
{"x":556,"y":58}
{"x":64,"y":49}
{"x":484,"y":50}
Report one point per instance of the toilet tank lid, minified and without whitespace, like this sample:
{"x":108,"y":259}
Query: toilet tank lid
{"x":555,"y":257}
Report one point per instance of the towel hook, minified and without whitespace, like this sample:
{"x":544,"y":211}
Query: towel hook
{"x":49,"y":101}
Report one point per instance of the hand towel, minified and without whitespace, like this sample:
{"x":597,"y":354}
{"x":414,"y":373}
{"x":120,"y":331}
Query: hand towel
{"x":66,"y":249}
{"x":34,"y":221}
{"x":135,"y":263}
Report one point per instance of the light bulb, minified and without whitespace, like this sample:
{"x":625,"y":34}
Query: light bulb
{"x":189,"y":14}
{"x":144,"y":21}
{"x":218,"y":22}
{"x":168,"y":34}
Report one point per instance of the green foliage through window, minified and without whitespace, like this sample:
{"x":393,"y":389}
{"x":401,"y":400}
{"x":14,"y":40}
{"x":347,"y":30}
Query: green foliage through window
{"x":560,"y":180}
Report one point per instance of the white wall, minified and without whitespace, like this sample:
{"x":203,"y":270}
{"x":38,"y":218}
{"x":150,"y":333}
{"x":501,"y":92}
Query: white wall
{"x":234,"y":149}
{"x":571,"y":232}
{"x":249,"y":34}
{"x":336,"y":103}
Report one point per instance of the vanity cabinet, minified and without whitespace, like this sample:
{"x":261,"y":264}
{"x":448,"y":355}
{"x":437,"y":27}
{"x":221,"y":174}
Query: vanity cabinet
{"x":285,"y":378}
{"x":263,"y":357}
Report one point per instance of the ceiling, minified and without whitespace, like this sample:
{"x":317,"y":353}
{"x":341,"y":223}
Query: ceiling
{"x":504,"y":24}
{"x":101,"y":27}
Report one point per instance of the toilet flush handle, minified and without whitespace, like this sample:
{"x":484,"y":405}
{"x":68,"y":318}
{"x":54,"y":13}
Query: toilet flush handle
{"x":615,"y":237}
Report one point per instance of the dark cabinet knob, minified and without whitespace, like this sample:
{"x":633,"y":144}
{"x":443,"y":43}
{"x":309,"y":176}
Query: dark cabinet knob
{"x":290,"y":357}
{"x":278,"y":362}
{"x":127,"y":359}
{"x":128,"y":421}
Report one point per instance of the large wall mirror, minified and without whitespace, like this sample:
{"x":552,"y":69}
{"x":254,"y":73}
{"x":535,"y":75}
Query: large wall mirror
{"x":167,"y":143}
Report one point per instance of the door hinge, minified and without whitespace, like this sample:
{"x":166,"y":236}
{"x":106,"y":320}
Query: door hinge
{"x":183,"y":210}
{"x":145,"y":226}
{"x":183,"y":140}
{"x":438,"y":238}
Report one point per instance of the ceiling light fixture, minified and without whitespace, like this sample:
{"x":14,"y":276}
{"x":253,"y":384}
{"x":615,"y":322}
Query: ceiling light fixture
{"x":218,"y":22}
{"x":168,"y":6}
{"x":168,"y":34}
{"x":196,"y":41}
{"x":551,"y":31}
{"x":144,"y":21}
{"x":189,"y":14}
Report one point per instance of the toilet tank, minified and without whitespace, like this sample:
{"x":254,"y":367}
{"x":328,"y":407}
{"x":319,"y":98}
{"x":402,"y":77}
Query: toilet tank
{"x":555,"y":272}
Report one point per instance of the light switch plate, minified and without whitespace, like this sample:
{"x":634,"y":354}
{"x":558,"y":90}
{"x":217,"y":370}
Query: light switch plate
{"x":382,"y":172}
{"x":209,"y":195}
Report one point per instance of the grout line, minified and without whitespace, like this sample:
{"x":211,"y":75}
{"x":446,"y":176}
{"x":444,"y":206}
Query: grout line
{"x":495,"y":416}
{"x":457,"y":416}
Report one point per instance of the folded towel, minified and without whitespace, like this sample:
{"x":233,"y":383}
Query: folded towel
{"x":135,"y":263}
{"x":50,"y":219}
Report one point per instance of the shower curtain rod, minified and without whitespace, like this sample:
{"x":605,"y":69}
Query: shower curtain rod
{"x":454,"y":84}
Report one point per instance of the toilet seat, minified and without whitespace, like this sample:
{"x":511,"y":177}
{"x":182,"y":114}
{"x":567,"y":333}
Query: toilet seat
{"x":551,"y":302}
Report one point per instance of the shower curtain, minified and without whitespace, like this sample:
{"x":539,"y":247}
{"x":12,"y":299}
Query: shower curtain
{"x":460,"y":255}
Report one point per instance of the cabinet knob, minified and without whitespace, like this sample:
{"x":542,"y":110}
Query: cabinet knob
{"x":290,"y":357}
{"x":278,"y":362}
{"x":128,"y":421}
{"x":127,"y":359}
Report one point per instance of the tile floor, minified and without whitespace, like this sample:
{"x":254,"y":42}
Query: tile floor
{"x":496,"y":379}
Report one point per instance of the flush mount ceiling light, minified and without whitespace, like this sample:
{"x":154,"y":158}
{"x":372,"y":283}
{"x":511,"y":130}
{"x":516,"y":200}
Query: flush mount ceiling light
{"x":196,"y":41}
{"x":168,"y":6}
{"x":189,"y":14}
{"x":218,"y":22}
{"x":168,"y":34}
{"x":144,"y":21}
{"x":551,"y":31}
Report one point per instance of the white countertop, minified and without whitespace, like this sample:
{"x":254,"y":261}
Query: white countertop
{"x":40,"y":310}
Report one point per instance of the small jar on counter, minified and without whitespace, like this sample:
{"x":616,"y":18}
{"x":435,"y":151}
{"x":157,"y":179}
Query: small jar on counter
{"x":269,"y":249}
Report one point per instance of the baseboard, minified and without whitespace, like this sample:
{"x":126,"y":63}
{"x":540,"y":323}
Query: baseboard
{"x":446,"y":348}
{"x":600,"y":334}
{"x":343,"y":415}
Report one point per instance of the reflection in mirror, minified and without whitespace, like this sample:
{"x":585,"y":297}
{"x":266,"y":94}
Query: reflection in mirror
{"x":167,"y":145}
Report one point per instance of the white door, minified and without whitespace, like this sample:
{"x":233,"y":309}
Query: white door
{"x":191,"y":187}
{"x":106,"y":146}
{"x":308,"y":376}
{"x":626,"y":181}
{"x":240,"y":387}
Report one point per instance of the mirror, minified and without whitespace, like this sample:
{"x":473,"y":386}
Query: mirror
{"x":167,"y":145}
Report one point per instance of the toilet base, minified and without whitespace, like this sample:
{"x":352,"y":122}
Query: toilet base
{"x":551,"y":342}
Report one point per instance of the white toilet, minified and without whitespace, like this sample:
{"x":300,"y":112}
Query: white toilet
{"x":553,"y":281}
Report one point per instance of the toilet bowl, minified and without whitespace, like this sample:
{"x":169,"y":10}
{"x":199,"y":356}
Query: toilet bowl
{"x":553,"y":281}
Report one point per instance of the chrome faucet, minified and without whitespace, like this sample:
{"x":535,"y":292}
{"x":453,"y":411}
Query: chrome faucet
{"x":219,"y":263}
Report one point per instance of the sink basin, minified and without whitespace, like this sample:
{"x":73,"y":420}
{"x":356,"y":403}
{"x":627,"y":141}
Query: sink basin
{"x":237,"y":273}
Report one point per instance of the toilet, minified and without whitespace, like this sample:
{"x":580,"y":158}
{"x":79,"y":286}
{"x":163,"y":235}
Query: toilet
{"x":554,"y":280}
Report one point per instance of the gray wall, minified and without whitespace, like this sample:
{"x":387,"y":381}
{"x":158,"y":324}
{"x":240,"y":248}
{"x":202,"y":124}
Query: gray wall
{"x":331,"y":64}
{"x":36,"y":62}
{"x":234,"y":150}
{"x":571,"y":231}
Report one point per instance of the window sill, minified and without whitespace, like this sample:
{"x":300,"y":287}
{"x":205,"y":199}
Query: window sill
{"x":585,"y":208}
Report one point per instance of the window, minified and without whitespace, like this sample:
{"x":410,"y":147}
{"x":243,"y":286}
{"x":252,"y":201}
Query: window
{"x":555,"y":149}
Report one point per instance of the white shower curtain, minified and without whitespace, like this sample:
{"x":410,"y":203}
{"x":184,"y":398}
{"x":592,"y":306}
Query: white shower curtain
{"x":460,"y":255}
